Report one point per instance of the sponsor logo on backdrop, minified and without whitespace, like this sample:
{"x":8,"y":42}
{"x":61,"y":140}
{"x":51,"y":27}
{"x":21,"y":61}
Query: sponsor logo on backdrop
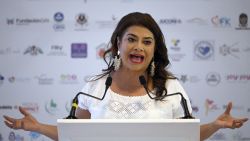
{"x":210,"y":106}
{"x":12,"y":136}
{"x":43,"y":79}
{"x":184,"y":78}
{"x":243,"y":22}
{"x":1,"y":79}
{"x":221,"y":21}
{"x":218,"y":136}
{"x":177,"y":57}
{"x":18,"y":79}
{"x":197,"y":21}
{"x":78,"y":50}
{"x":34,"y":136}
{"x":51,"y":107}
{"x":108,"y":23}
{"x":26,"y":21}
{"x":170,"y":21}
{"x":58,"y":19}
{"x":238,"y":78}
{"x":204,"y":50}
{"x":12,"y":79}
{"x":81,"y":23}
{"x":213,"y":78}
{"x":10,"y":21}
{"x":175,"y":50}
{"x":15,"y":137}
{"x":195,"y":108}
{"x":9,"y":51}
{"x":6,"y":107}
{"x":57,"y":50}
{"x":230,"y":50}
{"x":33,"y":50}
{"x":100,"y":49}
{"x":68,"y":79}
{"x":238,"y":136}
{"x":31,"y":107}
{"x":175,"y":45}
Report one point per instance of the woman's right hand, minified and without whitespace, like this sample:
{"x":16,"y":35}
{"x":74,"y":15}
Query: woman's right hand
{"x":28,"y":122}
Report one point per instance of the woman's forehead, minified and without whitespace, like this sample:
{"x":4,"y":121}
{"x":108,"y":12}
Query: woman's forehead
{"x":139,"y":31}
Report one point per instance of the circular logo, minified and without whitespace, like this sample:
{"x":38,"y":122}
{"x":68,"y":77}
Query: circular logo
{"x":58,"y":17}
{"x":81,"y":19}
{"x":51,"y":107}
{"x":12,"y":136}
{"x":213,"y":78}
{"x":12,"y":79}
{"x":225,"y":50}
{"x":243,"y":20}
{"x":204,"y":50}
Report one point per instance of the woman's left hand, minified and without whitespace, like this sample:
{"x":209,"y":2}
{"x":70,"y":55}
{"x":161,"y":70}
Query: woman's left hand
{"x":227,"y":121}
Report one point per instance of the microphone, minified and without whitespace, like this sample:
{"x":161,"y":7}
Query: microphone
{"x":75,"y":100}
{"x":183,"y":100}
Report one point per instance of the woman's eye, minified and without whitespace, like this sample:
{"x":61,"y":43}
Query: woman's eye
{"x":147,"y":42}
{"x":131,"y":39}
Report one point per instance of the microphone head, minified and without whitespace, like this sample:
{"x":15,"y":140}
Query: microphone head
{"x":108,"y":81}
{"x":142,"y":80}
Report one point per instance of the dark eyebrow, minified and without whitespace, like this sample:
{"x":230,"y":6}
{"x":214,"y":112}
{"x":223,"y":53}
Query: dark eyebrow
{"x":137,"y":37}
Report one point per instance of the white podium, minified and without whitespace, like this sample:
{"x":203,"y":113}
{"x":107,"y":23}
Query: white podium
{"x":128,"y":129}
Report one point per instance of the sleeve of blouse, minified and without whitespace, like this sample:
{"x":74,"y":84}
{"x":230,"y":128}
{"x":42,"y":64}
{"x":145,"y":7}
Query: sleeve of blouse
{"x":179,"y":111}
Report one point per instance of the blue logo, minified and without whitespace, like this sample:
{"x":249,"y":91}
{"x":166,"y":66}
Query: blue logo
{"x":58,"y":17}
{"x":34,"y":135}
{"x":59,"y":26}
{"x":221,"y":21}
{"x":204,"y":50}
{"x":78,"y":50}
{"x":1,"y":79}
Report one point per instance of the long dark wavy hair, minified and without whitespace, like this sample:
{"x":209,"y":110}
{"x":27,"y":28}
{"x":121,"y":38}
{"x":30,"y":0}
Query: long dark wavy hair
{"x":160,"y":55}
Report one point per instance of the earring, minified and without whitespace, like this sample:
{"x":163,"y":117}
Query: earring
{"x":152,"y":68}
{"x":117,"y":61}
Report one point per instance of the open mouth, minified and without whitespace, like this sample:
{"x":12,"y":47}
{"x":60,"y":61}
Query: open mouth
{"x":136,"y":58}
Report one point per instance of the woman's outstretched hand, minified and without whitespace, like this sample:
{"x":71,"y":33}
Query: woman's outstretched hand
{"x":28,"y":122}
{"x":227,"y":121}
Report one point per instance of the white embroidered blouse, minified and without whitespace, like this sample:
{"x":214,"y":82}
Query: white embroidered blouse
{"x":116,"y":106}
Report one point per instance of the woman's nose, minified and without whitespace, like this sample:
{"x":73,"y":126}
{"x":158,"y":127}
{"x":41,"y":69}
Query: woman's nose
{"x":139,"y":47}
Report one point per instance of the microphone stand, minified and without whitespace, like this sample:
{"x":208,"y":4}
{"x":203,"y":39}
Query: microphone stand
{"x":184,"y":106}
{"x":183,"y":100}
{"x":75,"y":100}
